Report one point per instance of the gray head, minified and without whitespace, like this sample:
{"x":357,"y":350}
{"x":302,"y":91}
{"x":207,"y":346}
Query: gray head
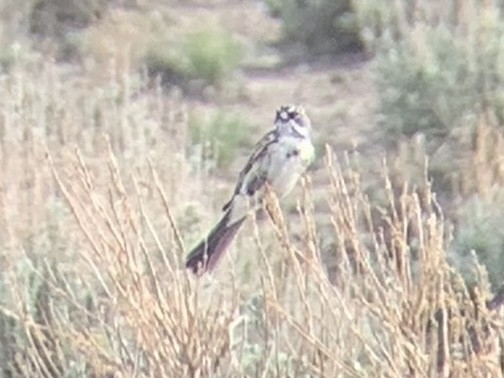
{"x":291,"y":119}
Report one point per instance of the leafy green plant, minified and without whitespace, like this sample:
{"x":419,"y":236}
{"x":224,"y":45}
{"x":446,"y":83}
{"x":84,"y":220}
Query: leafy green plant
{"x":320,"y":26}
{"x":166,"y":62}
{"x":219,"y":136}
{"x":34,"y":340}
{"x":438,"y":77}
{"x":376,"y":18}
{"x":250,"y":346}
{"x":54,"y":18}
{"x":211,"y":54}
{"x":480,"y":237}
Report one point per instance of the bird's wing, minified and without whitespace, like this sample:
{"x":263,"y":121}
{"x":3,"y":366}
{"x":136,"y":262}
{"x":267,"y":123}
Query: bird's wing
{"x":254,"y":174}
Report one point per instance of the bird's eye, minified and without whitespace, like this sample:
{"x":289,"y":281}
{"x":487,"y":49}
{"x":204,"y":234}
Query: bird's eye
{"x":288,"y":113}
{"x":283,"y":115}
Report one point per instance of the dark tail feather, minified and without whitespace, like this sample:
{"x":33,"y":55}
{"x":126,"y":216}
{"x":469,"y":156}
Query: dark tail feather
{"x":205,"y":256}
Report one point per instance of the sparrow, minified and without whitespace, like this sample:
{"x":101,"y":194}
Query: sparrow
{"x":279,"y":159}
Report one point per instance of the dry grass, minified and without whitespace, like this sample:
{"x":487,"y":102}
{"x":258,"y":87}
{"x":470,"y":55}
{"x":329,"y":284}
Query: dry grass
{"x":98,"y":200}
{"x":102,"y":193}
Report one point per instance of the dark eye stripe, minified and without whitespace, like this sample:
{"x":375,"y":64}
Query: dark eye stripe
{"x":286,"y":113}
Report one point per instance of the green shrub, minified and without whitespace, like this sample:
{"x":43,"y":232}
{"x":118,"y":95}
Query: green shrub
{"x":376,"y":18}
{"x":480,"y":235}
{"x":439,"y":77}
{"x":218,"y":137}
{"x":252,"y":349}
{"x":54,"y":18}
{"x":211,"y":55}
{"x":167,"y":63}
{"x":320,"y":26}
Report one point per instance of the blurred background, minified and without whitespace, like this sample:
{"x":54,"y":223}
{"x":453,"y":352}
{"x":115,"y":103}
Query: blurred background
{"x":95,"y":90}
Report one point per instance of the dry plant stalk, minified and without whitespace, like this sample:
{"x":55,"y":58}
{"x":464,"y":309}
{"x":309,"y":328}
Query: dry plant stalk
{"x":395,"y":309}
{"x":121,"y":305}
{"x":159,"y":324}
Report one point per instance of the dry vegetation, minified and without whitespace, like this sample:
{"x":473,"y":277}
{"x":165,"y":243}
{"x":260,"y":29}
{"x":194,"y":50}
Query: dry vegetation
{"x":107,"y":178}
{"x":93,"y":239}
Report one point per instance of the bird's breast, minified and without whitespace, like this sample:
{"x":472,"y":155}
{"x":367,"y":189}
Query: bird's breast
{"x":306,"y":152}
{"x":288,"y":163}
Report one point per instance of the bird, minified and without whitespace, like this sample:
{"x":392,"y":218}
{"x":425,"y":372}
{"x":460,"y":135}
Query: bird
{"x":278,"y":160}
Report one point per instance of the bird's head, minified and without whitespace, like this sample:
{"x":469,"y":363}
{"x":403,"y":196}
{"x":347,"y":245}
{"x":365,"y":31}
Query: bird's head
{"x":293,"y":120}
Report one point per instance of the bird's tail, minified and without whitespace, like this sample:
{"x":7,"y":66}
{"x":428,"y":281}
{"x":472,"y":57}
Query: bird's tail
{"x":205,"y":256}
